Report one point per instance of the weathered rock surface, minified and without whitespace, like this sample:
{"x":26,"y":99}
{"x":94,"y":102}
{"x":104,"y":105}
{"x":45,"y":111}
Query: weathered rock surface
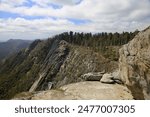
{"x":81,"y":60}
{"x":92,"y":76}
{"x":107,"y":78}
{"x":83,"y":90}
{"x":111,"y":78}
{"x":51,"y":65}
{"x":135,"y":65}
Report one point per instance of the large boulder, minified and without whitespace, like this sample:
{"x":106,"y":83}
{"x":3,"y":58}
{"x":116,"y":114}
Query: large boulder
{"x":111,"y":78}
{"x":81,"y":91}
{"x":135,"y":65}
{"x":107,"y":78}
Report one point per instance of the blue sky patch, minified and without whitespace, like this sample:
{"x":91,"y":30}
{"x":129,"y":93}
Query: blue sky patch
{"x":79,"y":21}
{"x":78,"y":1}
{"x":6,"y":15}
{"x":29,"y":3}
{"x":55,"y":6}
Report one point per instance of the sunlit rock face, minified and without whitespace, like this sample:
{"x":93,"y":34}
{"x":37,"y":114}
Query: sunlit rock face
{"x":88,"y":90}
{"x":135,"y":65}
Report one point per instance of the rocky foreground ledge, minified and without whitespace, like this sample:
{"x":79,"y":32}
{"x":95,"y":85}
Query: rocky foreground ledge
{"x":83,"y":90}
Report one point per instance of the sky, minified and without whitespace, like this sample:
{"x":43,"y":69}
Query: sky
{"x":39,"y":19}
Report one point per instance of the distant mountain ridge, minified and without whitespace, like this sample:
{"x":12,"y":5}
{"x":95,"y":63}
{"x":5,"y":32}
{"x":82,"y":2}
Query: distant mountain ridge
{"x":12,"y":46}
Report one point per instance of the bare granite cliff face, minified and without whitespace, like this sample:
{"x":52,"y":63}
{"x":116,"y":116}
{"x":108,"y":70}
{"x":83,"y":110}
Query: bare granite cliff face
{"x":134,"y":65}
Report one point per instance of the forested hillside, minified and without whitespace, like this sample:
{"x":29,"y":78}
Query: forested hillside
{"x":107,"y":44}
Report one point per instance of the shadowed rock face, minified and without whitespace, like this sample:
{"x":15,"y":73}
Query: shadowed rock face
{"x":33,"y":68}
{"x":135,"y":65}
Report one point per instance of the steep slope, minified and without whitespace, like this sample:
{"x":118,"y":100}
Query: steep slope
{"x":12,"y":46}
{"x":49,"y":64}
{"x":135,"y":65}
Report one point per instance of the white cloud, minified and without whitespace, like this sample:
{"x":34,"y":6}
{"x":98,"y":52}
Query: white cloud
{"x":87,"y":9}
{"x":13,"y":2}
{"x":38,"y":28}
{"x":57,"y":2}
{"x":105,"y":15}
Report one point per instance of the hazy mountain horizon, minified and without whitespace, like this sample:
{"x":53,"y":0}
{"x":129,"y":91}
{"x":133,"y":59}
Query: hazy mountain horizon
{"x":6,"y":40}
{"x":12,"y":46}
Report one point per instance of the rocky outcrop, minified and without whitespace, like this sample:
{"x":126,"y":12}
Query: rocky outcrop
{"x":51,"y":65}
{"x":135,"y":65}
{"x":80,"y":61}
{"x":83,"y":90}
{"x":107,"y":78}
{"x":92,"y":76}
{"x":111,"y":78}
